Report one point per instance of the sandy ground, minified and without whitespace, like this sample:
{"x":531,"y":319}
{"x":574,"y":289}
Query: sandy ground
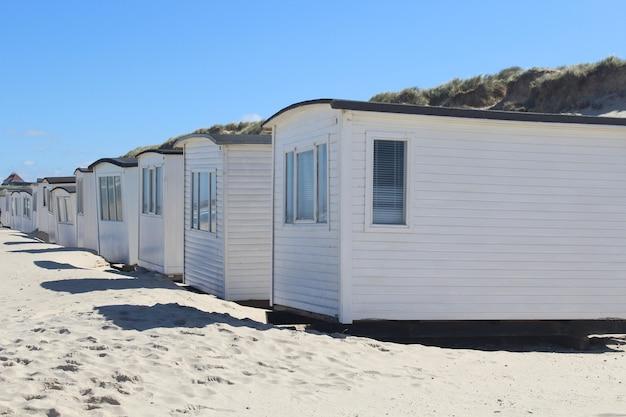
{"x":78,"y":340}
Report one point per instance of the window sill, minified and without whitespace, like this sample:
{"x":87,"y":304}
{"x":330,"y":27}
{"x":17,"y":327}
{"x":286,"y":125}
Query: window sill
{"x":388,"y":228}
{"x":152,"y":215}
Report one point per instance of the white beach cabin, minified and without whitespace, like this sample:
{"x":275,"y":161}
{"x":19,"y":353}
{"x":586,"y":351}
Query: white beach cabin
{"x":86,"y":210}
{"x":63,"y":198}
{"x":46,"y":218}
{"x":118,"y":202}
{"x":161,"y":217}
{"x":5,"y":207}
{"x":21,"y":213}
{"x":228,"y":222}
{"x":402,"y":212}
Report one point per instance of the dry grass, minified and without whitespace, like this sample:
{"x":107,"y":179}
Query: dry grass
{"x":549,"y":90}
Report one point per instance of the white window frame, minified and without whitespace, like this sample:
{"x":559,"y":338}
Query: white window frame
{"x":26,"y":207}
{"x":211,"y":172}
{"x":297,"y":149}
{"x":80,"y":197}
{"x":151,"y":210}
{"x":49,"y":199}
{"x":122,"y":216}
{"x":65,"y":210}
{"x":370,"y":137}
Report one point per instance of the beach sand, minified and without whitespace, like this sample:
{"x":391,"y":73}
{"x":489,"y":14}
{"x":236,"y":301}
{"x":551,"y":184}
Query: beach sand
{"x":77,"y":339}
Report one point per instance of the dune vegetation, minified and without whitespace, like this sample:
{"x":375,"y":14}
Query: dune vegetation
{"x":595,"y":88}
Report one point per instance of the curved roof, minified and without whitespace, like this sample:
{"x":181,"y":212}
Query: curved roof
{"x":120,"y":162}
{"x":220,"y":139}
{"x":161,"y":151}
{"x":23,"y":190}
{"x":453,"y":112}
{"x":59,"y":180}
{"x":69,"y":188}
{"x":83,"y":170}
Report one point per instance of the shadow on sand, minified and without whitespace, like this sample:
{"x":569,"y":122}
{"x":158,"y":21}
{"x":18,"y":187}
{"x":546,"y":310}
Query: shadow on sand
{"x":49,"y":250}
{"x":138,"y":317}
{"x":52,"y":265}
{"x":19,"y":242}
{"x":172,"y":315}
{"x":84,"y":285}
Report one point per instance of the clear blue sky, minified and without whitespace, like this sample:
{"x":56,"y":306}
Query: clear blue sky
{"x":85,"y":79}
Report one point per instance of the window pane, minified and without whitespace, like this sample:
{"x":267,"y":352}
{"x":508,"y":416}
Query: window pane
{"x":159,"y":190}
{"x":151,"y":199}
{"x":112,"y":204}
{"x":213,"y":198}
{"x":322,"y":184}
{"x":118,"y":198}
{"x":289,"y":187}
{"x":66,"y":211}
{"x":59,"y":211}
{"x":144,"y":190}
{"x":203,"y":199}
{"x":104,"y":199}
{"x":45,"y":189}
{"x":389,"y":188}
{"x":305,"y":186}
{"x":79,"y":195}
{"x":194,"y":200}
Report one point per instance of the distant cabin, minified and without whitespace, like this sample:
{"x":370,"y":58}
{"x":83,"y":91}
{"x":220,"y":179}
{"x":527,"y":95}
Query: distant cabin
{"x":228,"y":214}
{"x":64,"y":221}
{"x":161,"y":194}
{"x":117,"y":191}
{"x":402,"y":212}
{"x":86,"y":209}
{"x":20,"y":215}
{"x":45,"y":205}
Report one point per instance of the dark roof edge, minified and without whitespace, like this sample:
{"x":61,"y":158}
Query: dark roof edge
{"x":83,"y":170}
{"x":457,"y":112}
{"x":227,"y":139}
{"x":59,"y":180}
{"x":120,"y":162}
{"x":22,"y":190}
{"x":161,"y":151}
{"x":296,"y":105}
{"x":69,"y":188}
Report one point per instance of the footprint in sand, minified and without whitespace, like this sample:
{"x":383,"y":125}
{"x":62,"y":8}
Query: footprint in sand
{"x":6,"y":411}
{"x":31,"y":397}
{"x":69,"y":366}
{"x":105,"y":399}
{"x":212,"y":380}
{"x":88,"y":339}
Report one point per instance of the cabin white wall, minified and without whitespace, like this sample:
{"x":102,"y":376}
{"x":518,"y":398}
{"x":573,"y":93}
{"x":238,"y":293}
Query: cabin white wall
{"x":248,"y":217}
{"x":118,"y":240}
{"x":204,"y":251}
{"x":151,"y":226}
{"x":22,"y":222}
{"x":66,"y":232}
{"x":131,"y":206}
{"x":173,"y":205}
{"x":41,"y":220}
{"x":306,"y":256}
{"x":4,"y":215}
{"x":87,"y":223}
{"x":508,"y":220}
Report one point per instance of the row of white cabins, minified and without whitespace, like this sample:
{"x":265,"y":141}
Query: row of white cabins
{"x":356,"y":210}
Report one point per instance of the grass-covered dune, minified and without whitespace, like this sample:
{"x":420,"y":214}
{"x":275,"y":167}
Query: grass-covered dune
{"x":596,"y":88}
